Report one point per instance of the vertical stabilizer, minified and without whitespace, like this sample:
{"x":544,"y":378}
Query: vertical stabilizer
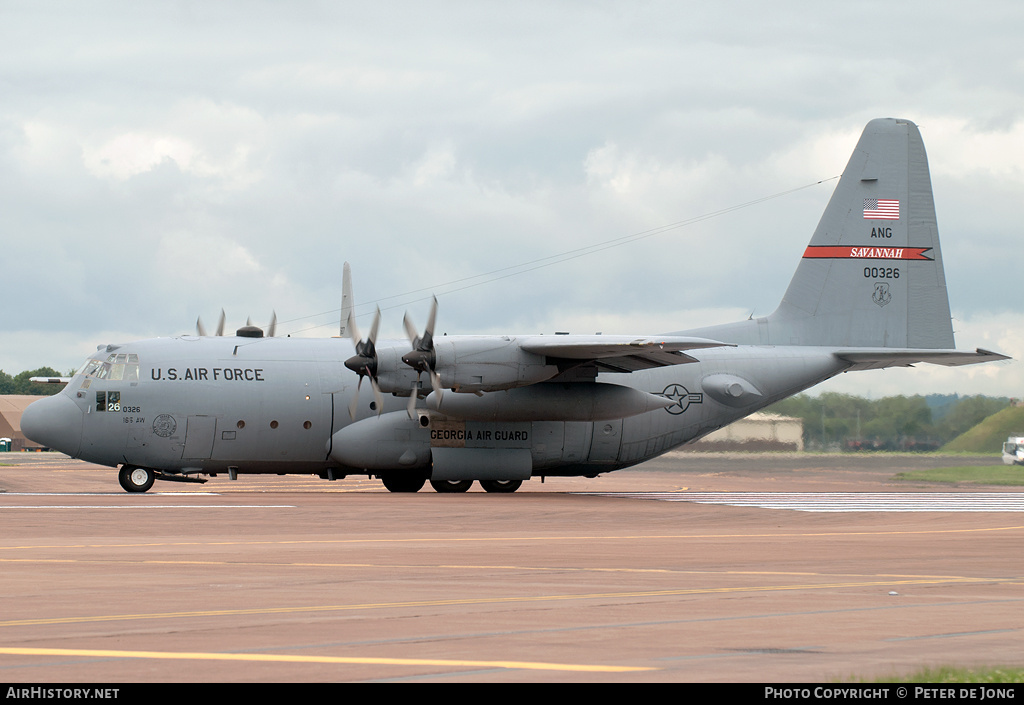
{"x":872,"y":275}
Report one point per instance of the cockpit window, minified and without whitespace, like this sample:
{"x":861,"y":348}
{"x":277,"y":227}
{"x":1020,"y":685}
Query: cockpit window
{"x":117,"y":367}
{"x":90,"y":367}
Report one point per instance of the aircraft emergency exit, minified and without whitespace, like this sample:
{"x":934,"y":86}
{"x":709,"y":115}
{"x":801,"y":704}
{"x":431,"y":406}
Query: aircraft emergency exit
{"x":869,"y":292}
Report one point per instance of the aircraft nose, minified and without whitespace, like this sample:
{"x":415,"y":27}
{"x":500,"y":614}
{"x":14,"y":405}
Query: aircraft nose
{"x":54,"y":422}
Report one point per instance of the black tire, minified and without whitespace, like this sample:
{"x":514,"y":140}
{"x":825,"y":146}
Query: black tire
{"x":403,"y":482}
{"x":135,"y":479}
{"x":501,"y":485}
{"x":451,"y":485}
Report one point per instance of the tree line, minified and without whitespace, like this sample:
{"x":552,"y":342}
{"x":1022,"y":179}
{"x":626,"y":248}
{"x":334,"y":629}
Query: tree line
{"x":835,"y":421}
{"x":19,"y":384}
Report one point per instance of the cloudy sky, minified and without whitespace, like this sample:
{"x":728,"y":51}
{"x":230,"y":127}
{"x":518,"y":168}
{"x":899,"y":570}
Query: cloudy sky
{"x":161,"y":161}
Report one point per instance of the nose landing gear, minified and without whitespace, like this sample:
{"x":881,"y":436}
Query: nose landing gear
{"x":134,"y":479}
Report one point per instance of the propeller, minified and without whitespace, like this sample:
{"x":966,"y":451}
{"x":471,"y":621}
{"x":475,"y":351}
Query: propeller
{"x":201,"y":330}
{"x":423,"y":357}
{"x":364,"y":362}
{"x":271,"y":327}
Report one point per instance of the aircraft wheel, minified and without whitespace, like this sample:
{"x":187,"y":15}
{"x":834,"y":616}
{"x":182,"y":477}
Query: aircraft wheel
{"x":451,"y":485}
{"x":403,"y":482}
{"x":501,"y":485}
{"x":134,"y":479}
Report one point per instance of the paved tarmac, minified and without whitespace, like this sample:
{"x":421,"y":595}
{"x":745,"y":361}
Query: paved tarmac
{"x":298,"y":579}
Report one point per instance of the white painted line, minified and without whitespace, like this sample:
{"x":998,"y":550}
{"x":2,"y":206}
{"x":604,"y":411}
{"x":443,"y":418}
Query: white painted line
{"x":107,"y":494}
{"x":845,"y":501}
{"x":147,"y":506}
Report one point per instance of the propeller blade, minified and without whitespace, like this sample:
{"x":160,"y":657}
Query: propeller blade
{"x":353,"y":332}
{"x":411,"y":408}
{"x":346,"y":301}
{"x":421,"y":357}
{"x":365,"y":348}
{"x":375,"y":327}
{"x":435,"y":383}
{"x":272,"y":328}
{"x":410,"y":330}
{"x":377,"y":396}
{"x":428,"y":333}
{"x":201,"y":329}
{"x":354,"y":404}
{"x":364,"y":362}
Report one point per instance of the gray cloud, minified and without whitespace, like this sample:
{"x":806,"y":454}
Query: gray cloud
{"x":159,"y":161}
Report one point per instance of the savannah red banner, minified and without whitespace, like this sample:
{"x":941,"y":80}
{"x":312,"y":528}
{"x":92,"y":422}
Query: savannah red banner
{"x":845,"y":251}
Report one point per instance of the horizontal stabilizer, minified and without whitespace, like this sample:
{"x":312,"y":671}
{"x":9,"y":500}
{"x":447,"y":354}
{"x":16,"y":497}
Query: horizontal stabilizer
{"x":876,"y":359}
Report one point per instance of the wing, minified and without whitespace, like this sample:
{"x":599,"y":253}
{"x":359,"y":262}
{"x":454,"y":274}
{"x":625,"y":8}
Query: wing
{"x":617,"y":353}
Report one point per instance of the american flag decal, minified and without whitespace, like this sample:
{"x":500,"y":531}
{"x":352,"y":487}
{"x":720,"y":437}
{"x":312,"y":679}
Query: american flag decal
{"x":881,"y":209}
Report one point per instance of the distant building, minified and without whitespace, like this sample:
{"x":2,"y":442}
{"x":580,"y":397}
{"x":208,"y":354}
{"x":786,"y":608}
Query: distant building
{"x":756,"y":432}
{"x":11,"y":406}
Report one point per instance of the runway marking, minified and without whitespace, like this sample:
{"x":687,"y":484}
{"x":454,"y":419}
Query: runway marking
{"x":147,"y":506}
{"x":290,"y":658}
{"x":516,"y":599}
{"x":951,"y":635}
{"x":574,"y":538}
{"x":478,"y":567}
{"x":110,"y":494}
{"x":845,"y":501}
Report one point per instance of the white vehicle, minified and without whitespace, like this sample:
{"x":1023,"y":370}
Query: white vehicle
{"x":1013,"y":451}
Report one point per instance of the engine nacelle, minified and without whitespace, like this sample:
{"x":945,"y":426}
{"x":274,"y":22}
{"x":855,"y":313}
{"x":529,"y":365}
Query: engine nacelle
{"x":466,"y":364}
{"x":583,"y":401}
{"x":486,"y":363}
{"x":393,"y":375}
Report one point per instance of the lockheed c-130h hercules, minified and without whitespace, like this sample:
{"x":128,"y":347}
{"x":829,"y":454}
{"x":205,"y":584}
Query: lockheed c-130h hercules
{"x":869,"y":292}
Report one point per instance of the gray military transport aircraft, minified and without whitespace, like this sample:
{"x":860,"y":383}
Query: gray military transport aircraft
{"x":869,"y":292}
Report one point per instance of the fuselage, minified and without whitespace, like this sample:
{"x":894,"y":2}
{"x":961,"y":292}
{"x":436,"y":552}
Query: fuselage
{"x":201,"y":405}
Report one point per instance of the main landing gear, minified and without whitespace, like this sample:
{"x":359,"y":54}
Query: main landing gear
{"x":134,"y":479}
{"x":403,"y":482}
{"x":451,"y":485}
{"x":501,"y":485}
